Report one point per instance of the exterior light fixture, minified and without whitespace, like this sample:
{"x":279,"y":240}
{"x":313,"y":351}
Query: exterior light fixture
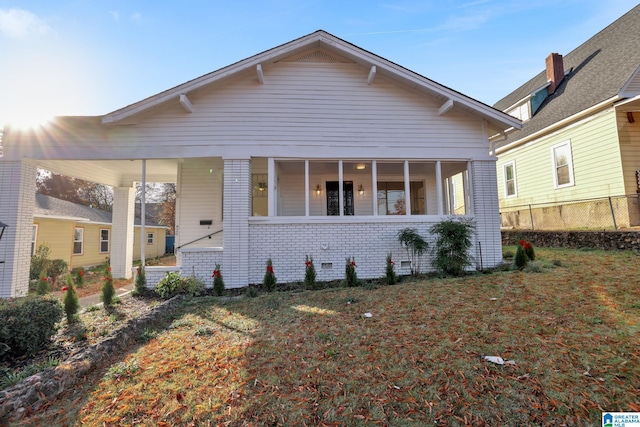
{"x":361,"y":166}
{"x":2,"y":227}
{"x":361,"y":190}
{"x":318,"y":190}
{"x":262,"y":186}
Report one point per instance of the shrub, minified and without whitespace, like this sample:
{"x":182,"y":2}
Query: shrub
{"x":193,"y":286}
{"x":39,"y":262}
{"x":269,"y":281}
{"x":251,"y":292}
{"x":108,"y":290}
{"x":521,"y":259}
{"x":27,"y":325}
{"x":140,"y":285}
{"x":218,"y":282}
{"x":71,"y":301}
{"x":57,"y":268}
{"x":390,"y":272}
{"x":528,"y":249}
{"x":309,"y":273}
{"x":169,"y":285}
{"x":451,"y":255}
{"x":415,"y":246}
{"x":78,"y":277}
{"x":43,"y":287}
{"x":350,"y":275}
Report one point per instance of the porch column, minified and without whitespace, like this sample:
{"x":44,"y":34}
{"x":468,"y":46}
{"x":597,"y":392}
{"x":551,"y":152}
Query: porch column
{"x":237,"y":209}
{"x":374,"y":185}
{"x":17,"y":199}
{"x":486,"y":211}
{"x":407,"y":189}
{"x":122,"y":224}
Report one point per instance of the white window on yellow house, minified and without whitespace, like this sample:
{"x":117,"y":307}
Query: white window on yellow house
{"x":510,"y":179}
{"x":78,"y":241}
{"x":34,"y":237}
{"x":562,"y":164}
{"x":104,"y":240}
{"x":150,"y":237}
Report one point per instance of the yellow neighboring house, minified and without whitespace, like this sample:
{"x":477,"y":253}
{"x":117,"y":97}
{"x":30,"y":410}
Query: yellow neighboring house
{"x":81,"y":235}
{"x":576,"y":161}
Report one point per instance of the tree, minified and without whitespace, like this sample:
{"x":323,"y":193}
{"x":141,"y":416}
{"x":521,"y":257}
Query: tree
{"x":167,"y":214}
{"x":75,"y":190}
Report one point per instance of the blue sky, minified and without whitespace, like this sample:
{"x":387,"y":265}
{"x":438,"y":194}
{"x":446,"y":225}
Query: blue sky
{"x":90,"y":57}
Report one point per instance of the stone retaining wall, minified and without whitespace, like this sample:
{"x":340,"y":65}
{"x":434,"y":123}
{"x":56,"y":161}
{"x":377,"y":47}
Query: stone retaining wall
{"x":606,"y":240}
{"x":38,"y":389}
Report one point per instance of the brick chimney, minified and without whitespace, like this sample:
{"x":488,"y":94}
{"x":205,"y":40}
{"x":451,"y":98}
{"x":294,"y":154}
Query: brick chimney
{"x":555,"y":71}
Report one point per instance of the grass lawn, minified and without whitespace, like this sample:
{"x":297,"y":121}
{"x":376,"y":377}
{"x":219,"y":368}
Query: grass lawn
{"x":569,"y":334}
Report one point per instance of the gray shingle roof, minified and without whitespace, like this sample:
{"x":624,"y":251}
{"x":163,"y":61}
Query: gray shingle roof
{"x":600,"y":67}
{"x":50,"y":206}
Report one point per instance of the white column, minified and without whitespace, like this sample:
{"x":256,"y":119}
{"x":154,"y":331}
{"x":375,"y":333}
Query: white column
{"x":374,"y":186}
{"x":143,"y":213}
{"x":306,"y":187}
{"x":340,"y":188}
{"x":271,"y":193}
{"x":123,"y":230}
{"x":439,"y":188}
{"x":407,"y":189}
{"x":468,"y":189}
{"x":237,"y":208}
{"x":482,"y":176}
{"x":17,"y":199}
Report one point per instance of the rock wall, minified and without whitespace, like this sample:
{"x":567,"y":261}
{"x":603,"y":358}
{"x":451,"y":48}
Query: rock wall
{"x":606,"y":240}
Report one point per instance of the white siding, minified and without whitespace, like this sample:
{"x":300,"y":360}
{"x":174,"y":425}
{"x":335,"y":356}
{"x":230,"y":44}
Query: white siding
{"x":629,"y":134}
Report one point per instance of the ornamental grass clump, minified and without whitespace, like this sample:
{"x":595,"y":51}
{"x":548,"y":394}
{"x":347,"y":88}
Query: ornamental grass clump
{"x":218,"y":282}
{"x":350,"y":275}
{"x":71,"y":301}
{"x":108,"y":290}
{"x":390,"y":273}
{"x":309,"y":273}
{"x":269,"y":281}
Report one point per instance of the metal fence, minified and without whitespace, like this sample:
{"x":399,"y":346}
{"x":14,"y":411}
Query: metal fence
{"x":614,"y":213}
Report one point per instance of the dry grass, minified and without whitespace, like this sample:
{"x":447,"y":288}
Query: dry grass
{"x":314,"y":358}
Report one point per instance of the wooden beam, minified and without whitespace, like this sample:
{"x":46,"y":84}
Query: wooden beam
{"x":372,"y":75}
{"x":260,"y":73}
{"x":446,"y":107}
{"x":186,"y":104}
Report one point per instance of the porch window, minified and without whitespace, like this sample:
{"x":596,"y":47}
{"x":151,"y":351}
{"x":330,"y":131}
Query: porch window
{"x":391,"y":198}
{"x":104,"y":240}
{"x":78,"y":241}
{"x":260,"y":194}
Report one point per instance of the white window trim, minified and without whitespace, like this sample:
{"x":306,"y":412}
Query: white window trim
{"x":34,"y":239}
{"x":81,"y":241}
{"x":512,"y":163}
{"x":569,"y":164}
{"x":153,"y":238}
{"x":108,"y":240}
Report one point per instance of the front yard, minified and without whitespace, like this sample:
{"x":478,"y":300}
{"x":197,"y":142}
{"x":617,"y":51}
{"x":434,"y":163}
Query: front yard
{"x":409,"y":354}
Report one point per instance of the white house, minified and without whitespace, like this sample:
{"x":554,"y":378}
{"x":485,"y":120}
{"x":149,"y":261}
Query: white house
{"x":315,"y":147}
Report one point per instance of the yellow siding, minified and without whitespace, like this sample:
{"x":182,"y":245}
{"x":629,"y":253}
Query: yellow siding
{"x":91,"y":252}
{"x":57,"y":235}
{"x":154,"y":250}
{"x":596,"y":165}
{"x":629,"y":134}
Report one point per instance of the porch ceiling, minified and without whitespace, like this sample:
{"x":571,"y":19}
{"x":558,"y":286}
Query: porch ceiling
{"x":117,"y":173}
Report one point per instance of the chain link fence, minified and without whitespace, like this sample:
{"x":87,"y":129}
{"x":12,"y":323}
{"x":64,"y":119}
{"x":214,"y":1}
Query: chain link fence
{"x":612,"y":213}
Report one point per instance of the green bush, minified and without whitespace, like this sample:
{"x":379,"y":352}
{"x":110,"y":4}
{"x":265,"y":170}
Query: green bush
{"x":43,"y":286}
{"x":108,"y":290}
{"x":415,"y":246}
{"x":269,"y":281}
{"x":78,"y":277}
{"x":40,"y":262}
{"x":140,"y":285}
{"x":27,"y":325}
{"x":451,"y":255}
{"x":173,"y":284}
{"x":309,"y":273}
{"x":350,"y":275}
{"x":521,"y":259}
{"x":218,"y":282}
{"x":71,"y":301}
{"x":193,"y":286}
{"x":390,"y":273}
{"x":57,"y":268}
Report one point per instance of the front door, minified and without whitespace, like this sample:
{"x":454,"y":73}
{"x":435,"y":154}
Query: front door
{"x":333,"y":197}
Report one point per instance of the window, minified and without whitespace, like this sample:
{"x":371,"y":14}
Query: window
{"x":149,"y":238}
{"x":391,"y":198}
{"x":34,"y":235}
{"x":520,"y":112}
{"x":510,"y":179}
{"x":562,"y":164}
{"x":78,"y":241}
{"x":104,"y":240}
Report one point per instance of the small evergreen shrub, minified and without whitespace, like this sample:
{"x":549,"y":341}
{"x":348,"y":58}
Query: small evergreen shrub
{"x":78,"y":277}
{"x":71,"y":301}
{"x":140,"y":285}
{"x":528,"y":249}
{"x":27,"y":325}
{"x":269,"y":281}
{"x":40,"y":262}
{"x":390,"y":272}
{"x":451,"y":255}
{"x":415,"y":246}
{"x":350,"y":275}
{"x":108,"y":290}
{"x":521,"y":259}
{"x":309,"y":273}
{"x":218,"y":281}
{"x":43,"y":286}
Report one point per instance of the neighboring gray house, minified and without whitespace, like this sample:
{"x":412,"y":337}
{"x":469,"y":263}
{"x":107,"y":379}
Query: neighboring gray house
{"x":315,"y":147}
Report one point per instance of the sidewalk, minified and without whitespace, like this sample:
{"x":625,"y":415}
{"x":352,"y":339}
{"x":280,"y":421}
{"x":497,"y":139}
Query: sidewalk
{"x":121,"y":292}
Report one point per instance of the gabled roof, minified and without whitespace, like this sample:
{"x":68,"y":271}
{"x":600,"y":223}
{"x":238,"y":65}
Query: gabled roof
{"x":50,"y":207}
{"x":596,"y":71}
{"x":321,"y":40}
